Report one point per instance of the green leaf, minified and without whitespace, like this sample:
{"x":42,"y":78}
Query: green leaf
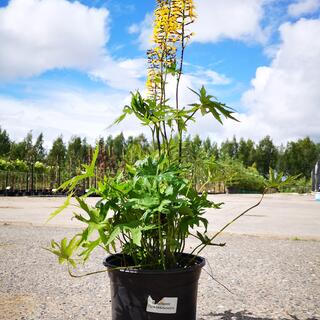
{"x":61,"y":208}
{"x":169,"y":191}
{"x":207,"y":105}
{"x":62,"y":260}
{"x":163,"y":206}
{"x":89,"y":247}
{"x":195,"y":92}
{"x":278,"y":180}
{"x":90,"y":171}
{"x":83,"y":205}
{"x":136,"y":236}
{"x":73,"y":245}
{"x":114,"y":234}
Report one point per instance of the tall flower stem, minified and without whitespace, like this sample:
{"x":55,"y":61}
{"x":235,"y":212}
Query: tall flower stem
{"x":179,"y":77}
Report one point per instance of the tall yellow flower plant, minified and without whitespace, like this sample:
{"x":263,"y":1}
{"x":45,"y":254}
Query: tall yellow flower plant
{"x":171,"y":35}
{"x":170,"y":38}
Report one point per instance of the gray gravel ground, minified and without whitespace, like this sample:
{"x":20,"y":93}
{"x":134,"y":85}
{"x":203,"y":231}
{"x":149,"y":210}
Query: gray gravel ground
{"x":269,"y":278}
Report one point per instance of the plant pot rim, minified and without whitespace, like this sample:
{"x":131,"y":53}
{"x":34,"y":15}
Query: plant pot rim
{"x":109,"y":263}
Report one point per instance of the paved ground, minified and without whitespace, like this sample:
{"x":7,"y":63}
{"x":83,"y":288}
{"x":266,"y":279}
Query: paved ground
{"x":279,"y":215}
{"x":270,"y":279}
{"x":272,"y":276}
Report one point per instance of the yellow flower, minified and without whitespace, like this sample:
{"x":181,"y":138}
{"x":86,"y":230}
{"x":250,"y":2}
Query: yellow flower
{"x":170,"y":20}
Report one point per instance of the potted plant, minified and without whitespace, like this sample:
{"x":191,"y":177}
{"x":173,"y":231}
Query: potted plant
{"x":146,"y":211}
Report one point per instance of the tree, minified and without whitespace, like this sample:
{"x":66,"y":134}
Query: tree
{"x":229,"y":149}
{"x":246,"y":152}
{"x":207,"y":146}
{"x":38,"y":149}
{"x":119,"y":146}
{"x":57,"y":153}
{"x":143,"y":141}
{"x":109,"y":146}
{"x":136,"y":148}
{"x":57,"y":156}
{"x":23,"y":150}
{"x":236,"y":177}
{"x":85,"y":151}
{"x":5,"y":143}
{"x":266,"y":156}
{"x":300,"y":157}
{"x":215,"y":150}
{"x":74,"y":154}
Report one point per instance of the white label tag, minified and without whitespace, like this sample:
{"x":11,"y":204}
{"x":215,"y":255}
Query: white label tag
{"x":165,"y":305}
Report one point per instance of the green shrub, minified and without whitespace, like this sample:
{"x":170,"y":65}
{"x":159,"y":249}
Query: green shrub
{"x":302,"y":185}
{"x":39,"y":167}
{"x":6,"y":165}
{"x":240,"y":179}
{"x":20,"y":166}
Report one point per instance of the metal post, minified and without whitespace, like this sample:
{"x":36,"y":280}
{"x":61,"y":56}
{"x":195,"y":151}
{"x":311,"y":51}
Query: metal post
{"x":27,"y":185}
{"x":317,"y":176}
{"x":32,"y":177}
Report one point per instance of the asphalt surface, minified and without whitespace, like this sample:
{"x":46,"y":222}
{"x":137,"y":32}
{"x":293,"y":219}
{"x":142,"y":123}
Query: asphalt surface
{"x":279,"y":215}
{"x":272,"y":272}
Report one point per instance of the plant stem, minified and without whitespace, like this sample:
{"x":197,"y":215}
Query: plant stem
{"x":227,"y":225}
{"x":158,"y":140}
{"x":178,"y":80}
{"x":161,"y":242}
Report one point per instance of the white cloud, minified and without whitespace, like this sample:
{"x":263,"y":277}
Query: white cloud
{"x":284,"y":98}
{"x":302,"y":7}
{"x":39,"y":35}
{"x":229,"y":19}
{"x":66,"y":112}
{"x":210,"y":77}
{"x":134,"y":28}
{"x":121,"y":74}
{"x":216,"y":20}
{"x":144,"y":31}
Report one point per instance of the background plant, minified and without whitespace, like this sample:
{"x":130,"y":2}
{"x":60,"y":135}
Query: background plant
{"x":114,"y":151}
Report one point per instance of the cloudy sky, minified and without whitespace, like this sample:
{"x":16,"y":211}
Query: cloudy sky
{"x":68,"y":66}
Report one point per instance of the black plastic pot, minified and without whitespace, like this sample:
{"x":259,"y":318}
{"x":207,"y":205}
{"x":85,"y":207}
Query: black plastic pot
{"x":154,"y":294}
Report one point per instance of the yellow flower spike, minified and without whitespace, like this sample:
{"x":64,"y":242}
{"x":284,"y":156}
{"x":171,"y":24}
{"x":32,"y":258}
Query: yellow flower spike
{"x":170,"y":18}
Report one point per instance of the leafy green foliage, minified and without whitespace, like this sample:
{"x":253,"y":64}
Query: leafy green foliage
{"x":210,"y":104}
{"x":300,"y":185}
{"x":19,"y":165}
{"x":150,"y":208}
{"x":162,"y":118}
{"x":239,"y":178}
{"x":39,"y":167}
{"x":6,"y":165}
{"x":300,"y":157}
{"x":4,"y":143}
{"x":279,"y":180}
{"x":266,"y":156}
{"x":64,"y":250}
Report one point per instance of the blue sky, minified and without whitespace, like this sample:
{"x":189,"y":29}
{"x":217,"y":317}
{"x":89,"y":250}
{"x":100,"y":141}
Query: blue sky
{"x":68,"y":66}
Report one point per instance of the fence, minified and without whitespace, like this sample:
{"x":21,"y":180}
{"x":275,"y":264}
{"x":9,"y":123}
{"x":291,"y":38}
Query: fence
{"x":30,"y":183}
{"x":25,"y":183}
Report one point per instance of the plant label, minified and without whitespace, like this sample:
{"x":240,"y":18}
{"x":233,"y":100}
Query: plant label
{"x":165,"y":305}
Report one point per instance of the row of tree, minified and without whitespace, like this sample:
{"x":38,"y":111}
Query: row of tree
{"x":234,"y":157}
